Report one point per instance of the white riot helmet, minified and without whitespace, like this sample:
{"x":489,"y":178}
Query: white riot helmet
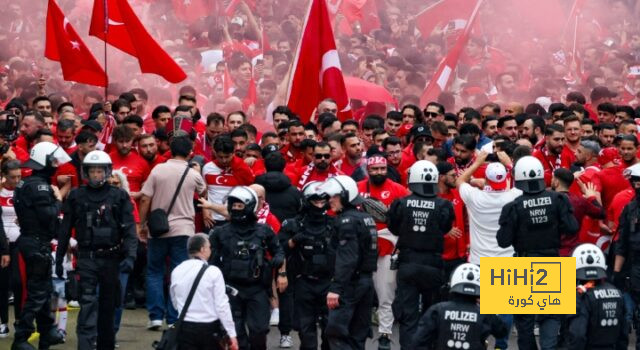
{"x":632,"y":173}
{"x":529,"y":175}
{"x":423,"y":178}
{"x":465,"y":279}
{"x":96,"y":159}
{"x":46,"y":154}
{"x":344,"y":186}
{"x":590,"y":262}
{"x":248,"y":197}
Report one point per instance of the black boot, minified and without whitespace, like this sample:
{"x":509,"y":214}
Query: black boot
{"x":52,"y":337}
{"x":24,"y":345}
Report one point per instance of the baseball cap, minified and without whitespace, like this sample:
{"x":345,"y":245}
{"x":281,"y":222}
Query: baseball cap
{"x":607,"y":155}
{"x":496,"y":176}
{"x":270,"y":148}
{"x":93,"y":124}
{"x":600,"y":92}
{"x":420,"y":130}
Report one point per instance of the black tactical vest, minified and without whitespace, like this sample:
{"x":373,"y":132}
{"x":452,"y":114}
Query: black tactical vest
{"x":538,"y":220}
{"x":420,"y":228}
{"x":459,"y":326}
{"x":607,"y":313}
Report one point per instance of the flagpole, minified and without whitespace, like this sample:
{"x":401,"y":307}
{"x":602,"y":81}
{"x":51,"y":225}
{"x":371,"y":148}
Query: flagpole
{"x":106,"y":32}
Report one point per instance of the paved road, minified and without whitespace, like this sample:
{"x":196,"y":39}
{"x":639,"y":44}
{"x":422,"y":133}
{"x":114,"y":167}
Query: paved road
{"x":134,"y":335}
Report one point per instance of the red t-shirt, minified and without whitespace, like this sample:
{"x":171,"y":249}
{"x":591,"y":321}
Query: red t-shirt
{"x":133,"y":166}
{"x":589,"y":175}
{"x":616,"y":207}
{"x":290,"y":154}
{"x":386,"y":193}
{"x":551,"y":162}
{"x":158,"y":160}
{"x":311,"y":173}
{"x":203,"y":147}
{"x":456,"y":248}
{"x":612,"y":182}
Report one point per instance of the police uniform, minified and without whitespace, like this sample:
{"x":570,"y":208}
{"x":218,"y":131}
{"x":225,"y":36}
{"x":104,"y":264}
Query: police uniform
{"x":37,"y":210}
{"x":533,"y":223}
{"x":628,"y":247}
{"x":599,"y":321}
{"x":105,"y":231}
{"x":420,"y":221}
{"x":356,"y":246}
{"x":239,"y":248}
{"x":420,"y":224}
{"x":310,"y":262}
{"x":458,"y":324}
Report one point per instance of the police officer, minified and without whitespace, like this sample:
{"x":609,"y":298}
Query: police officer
{"x":105,"y":230}
{"x":310,"y":255}
{"x":37,"y":205}
{"x":599,"y":321}
{"x":627,"y":248}
{"x":350,"y":297}
{"x":420,"y":220}
{"x":533,"y":223}
{"x":240,"y":249}
{"x":457,"y":323}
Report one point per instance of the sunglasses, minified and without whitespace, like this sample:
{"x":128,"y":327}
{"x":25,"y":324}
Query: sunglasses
{"x":321,"y":156}
{"x":431,"y":114}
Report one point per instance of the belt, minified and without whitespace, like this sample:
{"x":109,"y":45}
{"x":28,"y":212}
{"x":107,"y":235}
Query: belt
{"x":112,"y":252}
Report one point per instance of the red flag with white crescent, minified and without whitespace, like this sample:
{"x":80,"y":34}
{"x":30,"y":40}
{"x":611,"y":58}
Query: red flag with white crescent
{"x":63,"y":44}
{"x":317,"y":73}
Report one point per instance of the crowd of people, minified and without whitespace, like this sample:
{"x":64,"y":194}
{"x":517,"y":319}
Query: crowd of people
{"x":315,"y":220}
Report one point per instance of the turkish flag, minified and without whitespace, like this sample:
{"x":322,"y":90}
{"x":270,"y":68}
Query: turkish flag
{"x":441,"y":79}
{"x":363,"y":11}
{"x":123,"y":30}
{"x":316,"y":72}
{"x":63,"y":44}
{"x":441,"y":13}
{"x":190,"y":11}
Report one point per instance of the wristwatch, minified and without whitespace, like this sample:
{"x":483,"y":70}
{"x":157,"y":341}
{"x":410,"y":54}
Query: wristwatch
{"x":282,"y":274}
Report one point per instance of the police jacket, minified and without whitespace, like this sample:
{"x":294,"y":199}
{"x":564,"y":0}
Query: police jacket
{"x":599,"y":320}
{"x":37,"y":208}
{"x":533,"y":223}
{"x":420,"y":222}
{"x":457,"y":322}
{"x":313,"y":254}
{"x":241,"y":251}
{"x":628,"y":243}
{"x":103,"y":220}
{"x":356,"y":247}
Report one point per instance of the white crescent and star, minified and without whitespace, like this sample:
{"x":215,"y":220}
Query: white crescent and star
{"x":74,"y":44}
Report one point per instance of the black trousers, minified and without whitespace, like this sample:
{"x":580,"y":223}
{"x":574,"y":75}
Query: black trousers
{"x":37,"y":257}
{"x":10,"y":281}
{"x":97,"y":308}
{"x":349,"y":324}
{"x":198,"y":336}
{"x":285,"y":305}
{"x":310,"y":306}
{"x":250,"y":310}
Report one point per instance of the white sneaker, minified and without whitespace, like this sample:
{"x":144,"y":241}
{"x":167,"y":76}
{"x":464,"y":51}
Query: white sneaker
{"x":285,"y":341}
{"x":4,"y":330}
{"x":275,"y":317}
{"x":73,"y":303}
{"x":154,"y":325}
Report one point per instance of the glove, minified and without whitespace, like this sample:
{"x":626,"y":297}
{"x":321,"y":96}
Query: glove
{"x":126,"y":265}
{"x":618,"y":279}
{"x":59,"y":270}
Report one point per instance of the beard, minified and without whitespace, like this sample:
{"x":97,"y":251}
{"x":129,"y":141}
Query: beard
{"x":322,"y":165}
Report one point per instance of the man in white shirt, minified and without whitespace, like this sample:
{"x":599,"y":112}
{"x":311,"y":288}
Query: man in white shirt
{"x":484,"y":208}
{"x":210,"y":303}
